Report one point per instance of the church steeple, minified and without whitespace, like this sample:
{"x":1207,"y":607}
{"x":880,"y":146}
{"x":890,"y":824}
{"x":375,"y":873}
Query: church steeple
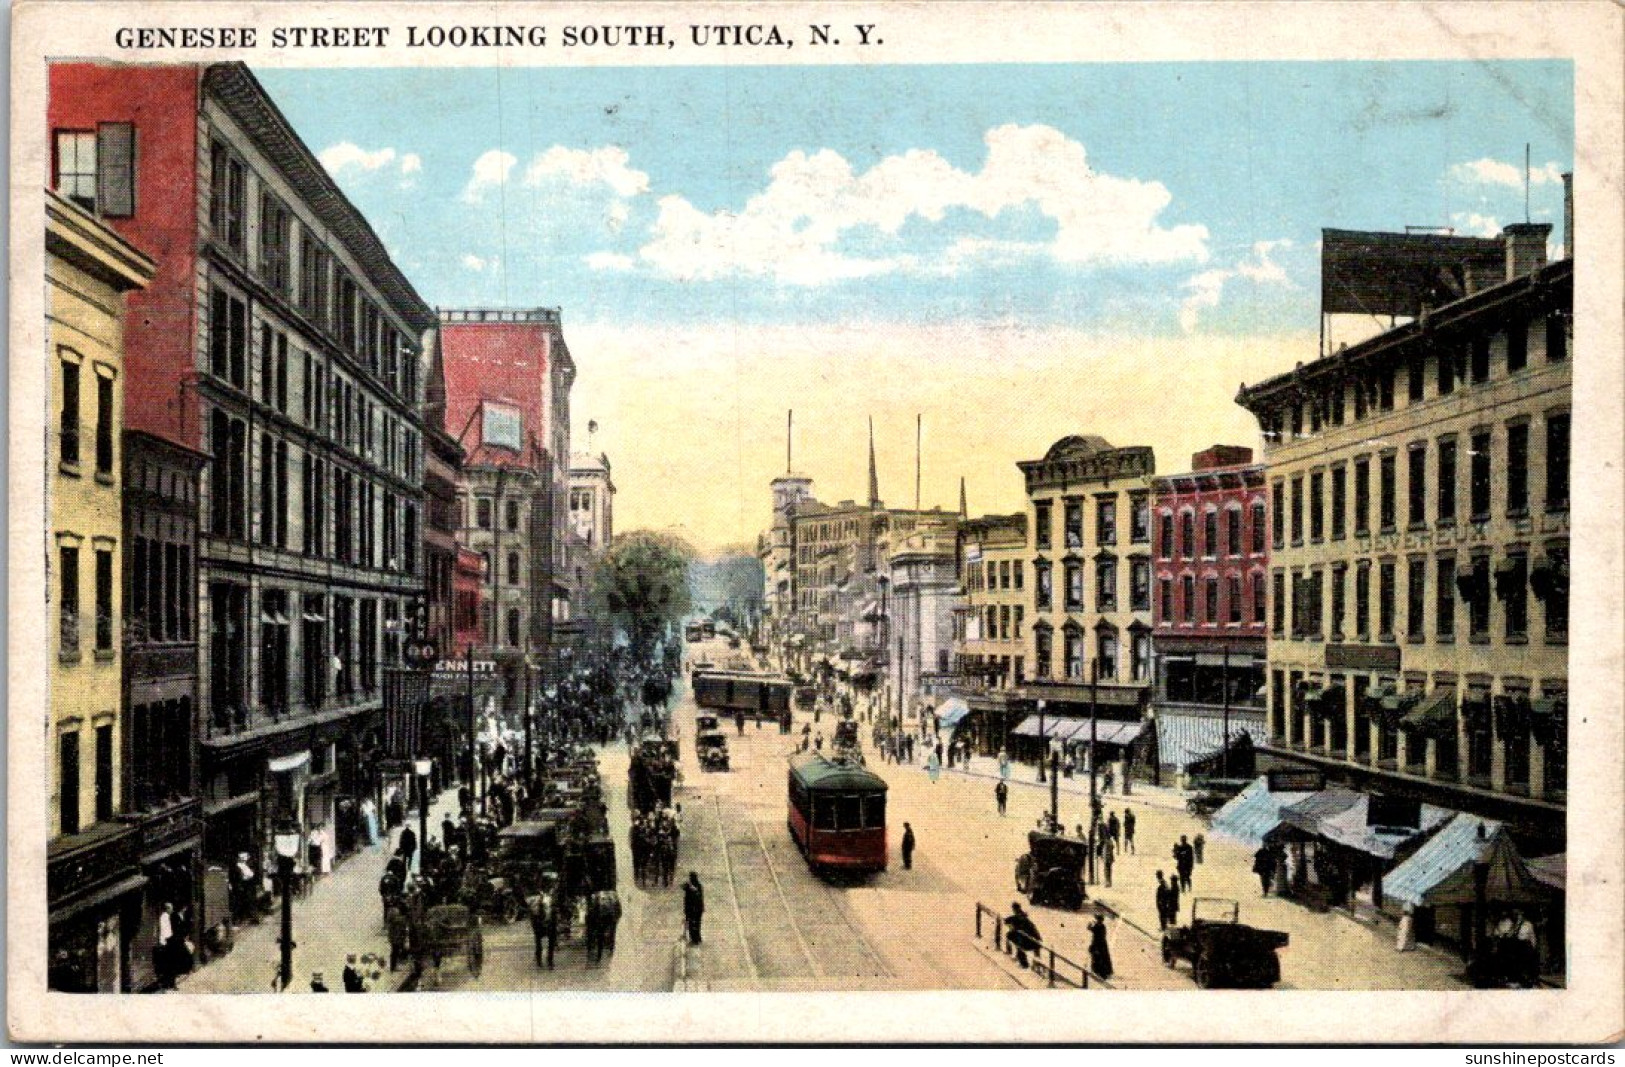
{"x":874,"y":477}
{"x":964,"y":512}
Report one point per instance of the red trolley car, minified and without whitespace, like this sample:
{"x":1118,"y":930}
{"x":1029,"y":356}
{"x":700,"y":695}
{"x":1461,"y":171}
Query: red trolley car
{"x":837,"y":814}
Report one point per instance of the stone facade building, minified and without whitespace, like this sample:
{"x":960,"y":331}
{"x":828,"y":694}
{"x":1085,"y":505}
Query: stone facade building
{"x":990,"y":624}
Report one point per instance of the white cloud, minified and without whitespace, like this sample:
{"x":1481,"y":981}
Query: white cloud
{"x":1204,"y":290}
{"x":1474,"y":224}
{"x":1488,"y":171}
{"x":347,"y":156}
{"x":609,"y":261}
{"x":584,"y":168}
{"x":473,"y":262}
{"x":490,"y":170}
{"x":791,"y":228}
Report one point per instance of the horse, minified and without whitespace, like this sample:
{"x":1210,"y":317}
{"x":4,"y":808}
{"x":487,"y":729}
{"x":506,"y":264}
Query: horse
{"x":603,"y":915}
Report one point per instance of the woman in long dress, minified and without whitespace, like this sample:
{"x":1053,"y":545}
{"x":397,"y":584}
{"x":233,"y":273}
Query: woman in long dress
{"x":1100,"y":954}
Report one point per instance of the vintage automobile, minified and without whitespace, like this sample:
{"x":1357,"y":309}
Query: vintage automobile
{"x":712,"y":749}
{"x":451,"y":930}
{"x":1211,"y":794}
{"x":706,"y":723}
{"x":527,"y":851}
{"x":806,"y":696}
{"x":1222,"y":951}
{"x":1051,"y":873}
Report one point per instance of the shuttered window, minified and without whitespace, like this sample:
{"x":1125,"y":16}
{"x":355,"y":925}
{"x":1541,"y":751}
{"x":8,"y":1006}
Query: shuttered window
{"x":115,"y":169}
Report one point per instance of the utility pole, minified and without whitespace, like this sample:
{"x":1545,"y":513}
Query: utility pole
{"x":1094,"y":799}
{"x":1224,"y":764}
{"x":1042,"y":734}
{"x":473,"y":767}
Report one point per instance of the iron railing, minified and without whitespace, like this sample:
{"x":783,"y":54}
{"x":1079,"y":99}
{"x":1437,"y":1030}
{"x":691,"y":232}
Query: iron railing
{"x":1047,"y":965}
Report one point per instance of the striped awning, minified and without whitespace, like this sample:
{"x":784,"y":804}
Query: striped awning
{"x":1186,"y":739}
{"x":1253,"y":813}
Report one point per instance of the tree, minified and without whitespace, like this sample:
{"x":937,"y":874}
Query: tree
{"x":641,"y":585}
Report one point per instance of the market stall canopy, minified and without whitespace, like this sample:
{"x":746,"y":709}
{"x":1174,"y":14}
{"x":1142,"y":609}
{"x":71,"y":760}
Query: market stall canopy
{"x":1441,"y":871}
{"x":950,"y":713}
{"x":1253,"y":813}
{"x":1551,"y":870}
{"x":1351,"y":828}
{"x":1186,"y":739}
{"x":1302,"y":819}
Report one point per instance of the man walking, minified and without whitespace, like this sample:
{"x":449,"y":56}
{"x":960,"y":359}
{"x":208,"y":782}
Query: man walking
{"x":1128,"y":831}
{"x":1115,"y":829}
{"x":1264,"y":867}
{"x":1108,"y":854}
{"x":1164,"y":910}
{"x":1199,"y":842}
{"x":1022,"y":933}
{"x":1001,"y":793}
{"x":1184,"y":862}
{"x":408,"y":845}
{"x":693,"y":906}
{"x":908,"y":847}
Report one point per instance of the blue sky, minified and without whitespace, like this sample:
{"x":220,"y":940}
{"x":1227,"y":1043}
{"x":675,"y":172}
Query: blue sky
{"x":1016,"y":253}
{"x":1195,"y":163}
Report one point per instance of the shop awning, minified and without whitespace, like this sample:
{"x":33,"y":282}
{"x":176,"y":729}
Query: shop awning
{"x":1350,"y":829}
{"x":284,"y":764}
{"x":101,"y":896}
{"x":1186,"y":739}
{"x":951,"y":712}
{"x":1030,"y":727}
{"x":1551,"y":871}
{"x":1441,"y":871}
{"x":1112,"y":733}
{"x":1435,"y":716}
{"x":1252,"y":813}
{"x":1306,"y":816}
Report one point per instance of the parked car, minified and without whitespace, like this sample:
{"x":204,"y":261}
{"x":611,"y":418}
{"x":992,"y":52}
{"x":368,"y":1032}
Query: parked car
{"x":1222,"y":951}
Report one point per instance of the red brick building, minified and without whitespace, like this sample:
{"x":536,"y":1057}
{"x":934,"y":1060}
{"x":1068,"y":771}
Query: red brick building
{"x":1210,"y":603}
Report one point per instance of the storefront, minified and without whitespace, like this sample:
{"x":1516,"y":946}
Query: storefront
{"x":94,"y":889}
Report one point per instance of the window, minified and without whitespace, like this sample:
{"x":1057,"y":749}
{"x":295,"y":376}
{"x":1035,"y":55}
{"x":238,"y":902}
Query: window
{"x":1003,"y":633}
{"x":1297,"y":510}
{"x":76,"y":167}
{"x":1386,"y":592}
{"x":1187,"y":609}
{"x":104,"y":600}
{"x":344,"y":524}
{"x":1165,"y":549}
{"x":1278,"y":600}
{"x":228,"y":442}
{"x":228,"y":196}
{"x":69,"y":435}
{"x":1557,"y":462}
{"x":1339,"y":592}
{"x":1106,"y":654}
{"x":1140,"y":649}
{"x":313,"y":266}
{"x":1165,"y":600}
{"x":1260,"y":599}
{"x":1513,"y":582}
{"x":1416,"y":372}
{"x":1074,"y":524}
{"x":1517,"y":347}
{"x":314,"y":509}
{"x":513,"y":568}
{"x":1258,"y":528}
{"x":1106,"y":522}
{"x":1481,"y":360}
{"x":1235,"y":597}
{"x":1317,"y":602}
{"x":1187,"y":534}
{"x":1278,"y":498}
{"x":68,"y":781}
{"x":344,"y":646}
{"x":1044,"y":594}
{"x":1041,"y":524}
{"x":1362,"y":497}
{"x":1444,"y":599}
{"x":1387,"y":490}
{"x":1416,"y":484}
{"x":227,"y":654}
{"x":367,"y":631}
{"x":1479,"y":478}
{"x":1447,"y":372}
{"x":1139,"y":519}
{"x":1043,"y":647}
{"x":348,"y":309}
{"x":274,"y":649}
{"x":228,"y":339}
{"x":1317,"y":507}
{"x":511,"y":514}
{"x":1210,"y":601}
{"x":1072,"y":642}
{"x":1385,"y":389}
{"x":1478,"y":598}
{"x":1557,"y":338}
{"x":1447,"y":480}
{"x":313,"y":649}
{"x":990,"y":631}
{"x":1018,"y":570}
{"x":104,"y":422}
{"x":68,"y":599}
{"x":1004,"y":574}
{"x":1106,"y":585}
{"x":97,"y":170}
{"x":1210,"y":534}
{"x":1556,"y":594}
{"x":1074,"y":585}
{"x":1232,"y":531}
{"x":1020,"y":618}
{"x":1299,"y":612}
{"x":1362,"y":599}
{"x":482,"y":511}
{"x":275,"y":239}
{"x":1139,"y":585}
{"x":1416,"y":580}
{"x":1517,"y":468}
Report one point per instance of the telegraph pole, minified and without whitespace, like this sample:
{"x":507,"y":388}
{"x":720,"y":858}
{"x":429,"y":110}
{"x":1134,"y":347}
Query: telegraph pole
{"x":1094,"y":799}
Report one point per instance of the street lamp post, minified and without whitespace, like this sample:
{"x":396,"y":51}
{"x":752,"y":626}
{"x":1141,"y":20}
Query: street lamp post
{"x":1042,"y":733}
{"x":423,"y":766}
{"x":287,"y":842}
{"x":1094,"y":798}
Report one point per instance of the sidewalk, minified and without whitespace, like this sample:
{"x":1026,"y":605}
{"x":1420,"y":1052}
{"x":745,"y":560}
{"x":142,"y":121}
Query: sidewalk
{"x":341,"y":914}
{"x":1155,"y":796}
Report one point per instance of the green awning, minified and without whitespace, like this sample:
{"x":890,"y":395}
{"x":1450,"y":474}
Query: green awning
{"x":1434,"y":717}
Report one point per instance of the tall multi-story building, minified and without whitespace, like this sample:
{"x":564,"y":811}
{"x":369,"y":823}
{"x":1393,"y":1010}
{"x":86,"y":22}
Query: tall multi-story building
{"x":924,"y":590}
{"x":1420,"y":493}
{"x":1089,"y":535}
{"x":280,"y":339}
{"x":778,"y":558}
{"x":990,"y":625}
{"x":93,"y":874}
{"x":508,"y":378}
{"x":592,"y":503}
{"x":1209,"y":605}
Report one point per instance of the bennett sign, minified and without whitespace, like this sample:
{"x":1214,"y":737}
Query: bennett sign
{"x":458,"y":666}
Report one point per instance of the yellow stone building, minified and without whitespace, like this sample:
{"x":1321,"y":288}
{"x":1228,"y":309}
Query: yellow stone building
{"x":88,"y":269}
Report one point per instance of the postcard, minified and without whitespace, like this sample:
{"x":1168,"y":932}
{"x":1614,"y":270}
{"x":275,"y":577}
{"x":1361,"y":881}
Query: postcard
{"x":667,"y":523}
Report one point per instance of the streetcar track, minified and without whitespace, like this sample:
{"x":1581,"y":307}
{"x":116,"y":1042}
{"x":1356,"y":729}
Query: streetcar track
{"x":784,"y":901}
{"x":733,"y":894}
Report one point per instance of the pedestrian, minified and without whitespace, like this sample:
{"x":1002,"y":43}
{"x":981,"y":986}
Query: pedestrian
{"x":318,"y":983}
{"x":1022,"y":933}
{"x":408,"y":845}
{"x":1115,"y":828}
{"x":1163,"y":909}
{"x":818,"y":742}
{"x":693,"y":906}
{"x":1184,"y":862}
{"x":395,"y":924}
{"x":1199,"y":842}
{"x":1264,"y":867}
{"x":1108,"y":855}
{"x":352,"y":977}
{"x":1001,"y":794}
{"x":1128,"y":831}
{"x":1173,"y":901}
{"x":163,"y":953}
{"x":1100,"y":954}
{"x":908,"y":847}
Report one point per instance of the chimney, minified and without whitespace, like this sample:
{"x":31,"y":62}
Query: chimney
{"x":1568,"y":216}
{"x":1526,"y":247}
